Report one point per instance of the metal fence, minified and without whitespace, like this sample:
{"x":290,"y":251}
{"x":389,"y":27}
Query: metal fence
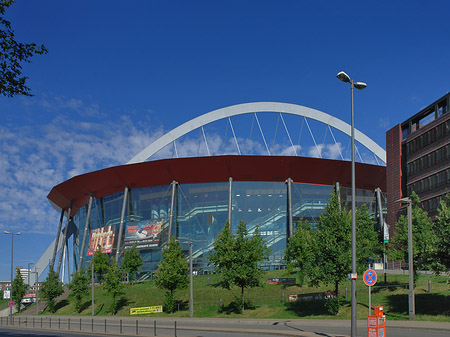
{"x":93,"y":325}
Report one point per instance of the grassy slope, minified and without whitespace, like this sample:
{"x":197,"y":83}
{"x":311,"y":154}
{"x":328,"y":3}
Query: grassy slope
{"x":266,"y":301}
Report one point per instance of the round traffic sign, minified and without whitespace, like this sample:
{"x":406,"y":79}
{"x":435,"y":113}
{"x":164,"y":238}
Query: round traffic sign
{"x":370,"y":277}
{"x":11,"y":303}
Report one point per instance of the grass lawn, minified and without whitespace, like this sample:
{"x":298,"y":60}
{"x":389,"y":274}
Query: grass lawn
{"x":270,"y":301}
{"x":4,"y":304}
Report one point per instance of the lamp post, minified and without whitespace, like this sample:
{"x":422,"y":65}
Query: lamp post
{"x":92,"y":287}
{"x":358,"y":85}
{"x":191,"y":288}
{"x":411,"y":304}
{"x":37,"y":291}
{"x":12,"y":264}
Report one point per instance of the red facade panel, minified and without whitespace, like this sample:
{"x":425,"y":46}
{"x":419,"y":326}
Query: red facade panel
{"x":214,"y":169}
{"x":393,"y":174}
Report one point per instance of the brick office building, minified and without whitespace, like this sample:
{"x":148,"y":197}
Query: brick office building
{"x":418,"y":159}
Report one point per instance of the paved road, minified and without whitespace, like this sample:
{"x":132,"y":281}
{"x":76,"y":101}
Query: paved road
{"x":211,"y":327}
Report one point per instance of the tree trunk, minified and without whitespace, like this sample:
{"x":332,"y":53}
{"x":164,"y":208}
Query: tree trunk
{"x":242,"y":299}
{"x":336,"y":288}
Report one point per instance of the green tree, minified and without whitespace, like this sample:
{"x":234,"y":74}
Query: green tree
{"x":19,"y":289}
{"x":442,"y":230}
{"x":51,"y":288}
{"x":172,"y":272}
{"x":101,"y":263}
{"x":332,"y":262}
{"x":12,"y":55}
{"x":79,"y":286}
{"x":368,"y":244}
{"x":132,"y":262}
{"x":112,"y":283}
{"x":236,"y":258}
{"x":301,"y":250}
{"x":424,"y":239}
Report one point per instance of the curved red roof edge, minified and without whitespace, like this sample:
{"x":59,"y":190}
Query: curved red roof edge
{"x":214,"y":169}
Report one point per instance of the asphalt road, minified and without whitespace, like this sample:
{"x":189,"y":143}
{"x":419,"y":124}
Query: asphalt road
{"x":71,"y":326}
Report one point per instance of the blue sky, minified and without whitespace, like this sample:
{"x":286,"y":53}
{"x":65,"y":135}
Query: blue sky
{"x":120,"y":74}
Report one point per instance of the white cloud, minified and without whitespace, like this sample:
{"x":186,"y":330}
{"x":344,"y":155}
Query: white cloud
{"x":35,"y":158}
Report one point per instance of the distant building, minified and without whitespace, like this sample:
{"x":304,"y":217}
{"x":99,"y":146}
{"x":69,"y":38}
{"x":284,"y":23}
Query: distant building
{"x":418,"y":159}
{"x":5,"y":285}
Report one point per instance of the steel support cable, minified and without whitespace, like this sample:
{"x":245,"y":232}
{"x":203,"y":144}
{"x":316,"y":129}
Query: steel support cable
{"x":224,"y":144}
{"x":335,"y":142}
{"x":288,"y":134}
{"x":234,"y":135}
{"x":276,"y":131}
{"x":206,"y":142}
{"x":262,"y":134}
{"x":301,"y":130}
{"x":175,"y":148}
{"x":317,"y":148}
{"x":324,"y":138}
{"x":359,"y":155}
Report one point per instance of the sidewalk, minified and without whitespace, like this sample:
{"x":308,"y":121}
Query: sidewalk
{"x":5,"y":312}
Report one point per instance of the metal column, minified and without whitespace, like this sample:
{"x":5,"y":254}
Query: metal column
{"x":172,"y":208}
{"x":230,"y":201}
{"x":381,"y":219}
{"x":122,"y":216}
{"x":69,"y":212}
{"x":58,"y":234}
{"x":86,"y":225}
{"x":289,"y":207}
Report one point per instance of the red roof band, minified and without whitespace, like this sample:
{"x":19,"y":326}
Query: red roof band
{"x":214,"y":169}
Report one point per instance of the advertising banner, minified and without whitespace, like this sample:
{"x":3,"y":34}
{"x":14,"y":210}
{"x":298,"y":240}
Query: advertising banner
{"x":146,"y":234}
{"x":146,"y":310}
{"x":6,"y":294}
{"x":103,"y":237}
{"x":386,"y":233}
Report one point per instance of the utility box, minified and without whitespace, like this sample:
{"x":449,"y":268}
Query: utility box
{"x":376,"y":325}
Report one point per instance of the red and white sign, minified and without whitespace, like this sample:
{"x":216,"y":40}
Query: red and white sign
{"x":370,"y":277}
{"x":30,"y":295}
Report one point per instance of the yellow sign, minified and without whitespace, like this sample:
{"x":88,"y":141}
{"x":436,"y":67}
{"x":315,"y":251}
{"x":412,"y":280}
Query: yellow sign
{"x":146,"y":310}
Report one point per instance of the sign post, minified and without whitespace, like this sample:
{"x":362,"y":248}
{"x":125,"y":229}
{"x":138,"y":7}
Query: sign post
{"x":370,"y":278}
{"x":11,"y":303}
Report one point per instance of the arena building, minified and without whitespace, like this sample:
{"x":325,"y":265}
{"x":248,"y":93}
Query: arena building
{"x":146,"y":201}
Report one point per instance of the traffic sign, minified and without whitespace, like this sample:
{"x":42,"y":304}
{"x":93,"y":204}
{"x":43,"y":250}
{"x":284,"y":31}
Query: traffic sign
{"x":11,"y":303}
{"x":370,"y":277}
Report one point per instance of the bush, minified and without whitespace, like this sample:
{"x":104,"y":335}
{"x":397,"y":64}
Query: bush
{"x":333,"y":305}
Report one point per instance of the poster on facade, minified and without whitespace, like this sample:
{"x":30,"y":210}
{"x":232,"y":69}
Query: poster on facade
{"x":146,"y":234}
{"x":386,"y":232}
{"x":103,"y":237}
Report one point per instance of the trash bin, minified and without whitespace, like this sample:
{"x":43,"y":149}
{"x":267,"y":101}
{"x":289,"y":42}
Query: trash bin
{"x":376,"y":325}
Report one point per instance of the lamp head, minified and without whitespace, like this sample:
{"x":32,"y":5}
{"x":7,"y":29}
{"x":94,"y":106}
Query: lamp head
{"x":405,"y":200}
{"x":360,"y":85}
{"x":343,"y":77}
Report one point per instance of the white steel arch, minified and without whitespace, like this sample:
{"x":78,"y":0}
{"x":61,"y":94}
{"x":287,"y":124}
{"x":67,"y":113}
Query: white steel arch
{"x":245,"y":108}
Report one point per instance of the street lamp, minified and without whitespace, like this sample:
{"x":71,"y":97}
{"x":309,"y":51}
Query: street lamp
{"x":411,"y":305}
{"x":191,"y":289}
{"x":12,"y":264}
{"x":358,"y":85}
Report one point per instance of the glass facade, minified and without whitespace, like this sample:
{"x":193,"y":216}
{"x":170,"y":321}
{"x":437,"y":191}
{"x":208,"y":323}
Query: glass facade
{"x":199,"y":213}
